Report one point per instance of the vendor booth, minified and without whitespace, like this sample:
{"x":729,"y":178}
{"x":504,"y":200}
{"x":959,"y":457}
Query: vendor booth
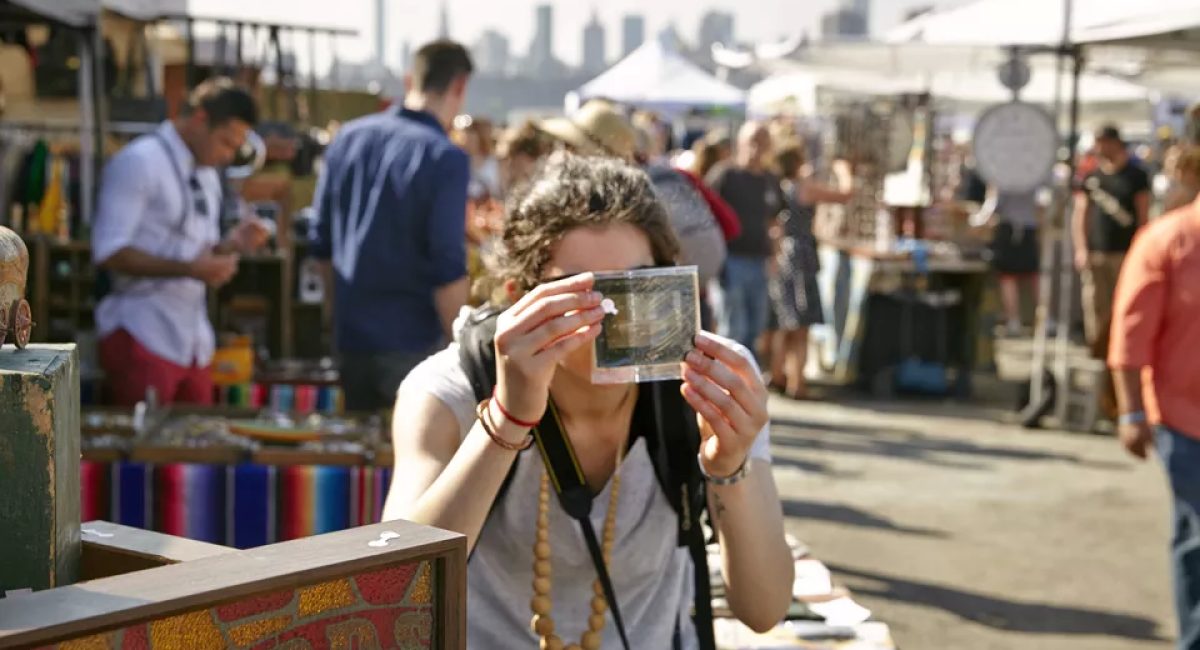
{"x":658,"y":78}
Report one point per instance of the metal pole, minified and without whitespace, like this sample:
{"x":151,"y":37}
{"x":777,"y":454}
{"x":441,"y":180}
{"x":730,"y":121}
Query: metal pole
{"x":190,"y":72}
{"x":1067,"y":275}
{"x":88,"y":140}
{"x":313,"y":111}
{"x":219,"y":64}
{"x":238,"y":52}
{"x":1048,"y":248}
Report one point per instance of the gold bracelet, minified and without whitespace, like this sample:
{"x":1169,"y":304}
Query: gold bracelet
{"x":484,"y":415}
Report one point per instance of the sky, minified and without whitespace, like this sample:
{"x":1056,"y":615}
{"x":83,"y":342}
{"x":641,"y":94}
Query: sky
{"x":416,"y":21}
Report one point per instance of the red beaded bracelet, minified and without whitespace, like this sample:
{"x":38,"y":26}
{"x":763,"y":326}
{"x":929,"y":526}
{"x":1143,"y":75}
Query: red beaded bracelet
{"x":509,"y":416}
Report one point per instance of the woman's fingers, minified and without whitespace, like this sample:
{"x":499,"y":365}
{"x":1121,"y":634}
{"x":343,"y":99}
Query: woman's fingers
{"x":736,"y":418}
{"x":552,"y":307}
{"x":550,"y":331}
{"x":573,"y":284}
{"x":724,"y":351}
{"x":558,"y":350}
{"x":711,"y":413}
{"x":728,"y":380}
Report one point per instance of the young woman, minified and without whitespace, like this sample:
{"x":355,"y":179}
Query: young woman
{"x":795,"y":296}
{"x":579,"y":216}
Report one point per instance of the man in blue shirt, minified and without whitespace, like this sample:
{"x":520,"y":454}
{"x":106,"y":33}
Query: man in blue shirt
{"x":391,"y":217}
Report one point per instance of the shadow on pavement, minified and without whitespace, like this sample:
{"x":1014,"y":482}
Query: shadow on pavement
{"x":913,"y":445}
{"x":811,"y":467}
{"x":850,"y":516}
{"x":1009,"y":615}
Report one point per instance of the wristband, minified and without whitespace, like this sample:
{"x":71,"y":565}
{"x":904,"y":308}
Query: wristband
{"x":508,"y":416}
{"x":733,"y":478}
{"x":1132,"y":417}
{"x":485,"y":418}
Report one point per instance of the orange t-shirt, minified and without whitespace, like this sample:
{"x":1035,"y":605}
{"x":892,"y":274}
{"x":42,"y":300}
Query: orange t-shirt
{"x":1156,"y":318}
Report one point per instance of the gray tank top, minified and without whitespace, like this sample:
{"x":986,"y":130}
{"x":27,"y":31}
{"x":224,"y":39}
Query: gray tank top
{"x":651,"y":574}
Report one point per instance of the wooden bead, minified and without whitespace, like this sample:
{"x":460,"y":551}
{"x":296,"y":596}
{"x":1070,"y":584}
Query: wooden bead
{"x":599,"y":605}
{"x":541,"y":568}
{"x":541,"y":605}
{"x":574,"y":646}
{"x":541,"y":551}
{"x":543,"y":535}
{"x":596,"y":622}
{"x":590,"y":640}
{"x":598,"y":588}
{"x":551,"y":643}
{"x":541,"y":586}
{"x":542,"y":625}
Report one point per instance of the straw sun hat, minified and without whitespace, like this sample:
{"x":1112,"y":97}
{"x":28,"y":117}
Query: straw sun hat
{"x":596,"y":129}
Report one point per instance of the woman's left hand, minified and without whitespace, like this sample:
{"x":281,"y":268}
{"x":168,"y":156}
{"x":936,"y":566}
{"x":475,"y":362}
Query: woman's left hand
{"x":730,"y":401}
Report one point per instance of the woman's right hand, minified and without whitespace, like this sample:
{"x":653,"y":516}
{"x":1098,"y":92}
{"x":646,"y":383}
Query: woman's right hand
{"x":534,"y":335}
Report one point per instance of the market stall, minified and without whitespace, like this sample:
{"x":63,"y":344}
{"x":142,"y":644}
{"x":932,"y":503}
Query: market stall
{"x":60,"y":124}
{"x":897,"y":262}
{"x":242,"y":477}
{"x":658,"y":78}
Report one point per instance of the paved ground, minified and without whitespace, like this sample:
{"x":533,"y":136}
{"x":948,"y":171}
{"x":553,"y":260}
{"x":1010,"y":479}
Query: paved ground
{"x":965,"y":533}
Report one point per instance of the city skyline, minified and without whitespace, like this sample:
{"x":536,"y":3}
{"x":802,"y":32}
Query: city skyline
{"x":412,"y":22}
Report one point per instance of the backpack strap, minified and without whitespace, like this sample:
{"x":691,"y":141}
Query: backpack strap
{"x":673,"y":446}
{"x":477,"y":350}
{"x":477,"y":355}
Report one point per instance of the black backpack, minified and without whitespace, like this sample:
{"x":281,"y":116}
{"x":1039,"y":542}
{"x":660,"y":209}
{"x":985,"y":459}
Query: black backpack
{"x":672,"y":439}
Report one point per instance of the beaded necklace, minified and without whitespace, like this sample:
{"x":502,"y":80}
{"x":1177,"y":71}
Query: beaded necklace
{"x":542,"y":623}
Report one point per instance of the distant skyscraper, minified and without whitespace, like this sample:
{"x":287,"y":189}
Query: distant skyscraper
{"x":594,"y":59}
{"x":444,"y":21}
{"x":541,"y":61}
{"x":492,"y":54}
{"x":863,"y":8}
{"x":542,"y":49}
{"x":633,"y":33}
{"x":380,"y":32}
{"x":715,"y":27}
{"x":843,"y":23}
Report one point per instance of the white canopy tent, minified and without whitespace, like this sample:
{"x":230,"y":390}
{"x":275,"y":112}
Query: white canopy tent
{"x":83,"y":12}
{"x":1155,"y":43}
{"x":800,"y":88}
{"x":656,"y":77}
{"x":1041,"y":22}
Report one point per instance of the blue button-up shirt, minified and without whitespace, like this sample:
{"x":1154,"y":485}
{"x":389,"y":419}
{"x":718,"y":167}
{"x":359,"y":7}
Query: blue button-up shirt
{"x":391,"y":215}
{"x":146,"y":202}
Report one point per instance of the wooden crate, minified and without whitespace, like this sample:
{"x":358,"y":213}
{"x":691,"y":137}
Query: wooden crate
{"x":353,"y":588}
{"x":39,"y":466}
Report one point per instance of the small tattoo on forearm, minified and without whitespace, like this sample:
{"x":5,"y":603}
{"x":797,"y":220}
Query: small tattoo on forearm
{"x":718,"y":507}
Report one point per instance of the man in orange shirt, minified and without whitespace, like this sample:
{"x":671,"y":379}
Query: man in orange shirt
{"x":1155,"y":358}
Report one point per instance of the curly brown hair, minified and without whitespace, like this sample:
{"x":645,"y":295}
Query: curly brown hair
{"x":570,"y":192}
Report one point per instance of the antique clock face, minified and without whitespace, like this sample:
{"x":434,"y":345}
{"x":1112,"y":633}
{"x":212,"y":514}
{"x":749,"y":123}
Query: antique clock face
{"x":1015,"y":146}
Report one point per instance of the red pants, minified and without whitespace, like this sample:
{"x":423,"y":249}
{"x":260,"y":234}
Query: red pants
{"x":131,"y":369}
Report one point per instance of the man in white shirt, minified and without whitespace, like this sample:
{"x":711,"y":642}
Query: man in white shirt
{"x":157,"y":235}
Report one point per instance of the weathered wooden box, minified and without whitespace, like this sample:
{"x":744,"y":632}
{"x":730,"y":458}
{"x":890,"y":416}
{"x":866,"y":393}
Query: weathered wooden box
{"x":39,"y":467}
{"x":390,"y":585}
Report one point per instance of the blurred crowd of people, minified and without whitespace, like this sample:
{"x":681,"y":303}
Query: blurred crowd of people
{"x":744,"y":214}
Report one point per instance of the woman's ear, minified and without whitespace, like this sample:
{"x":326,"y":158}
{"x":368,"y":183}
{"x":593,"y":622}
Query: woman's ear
{"x":511,"y":290}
